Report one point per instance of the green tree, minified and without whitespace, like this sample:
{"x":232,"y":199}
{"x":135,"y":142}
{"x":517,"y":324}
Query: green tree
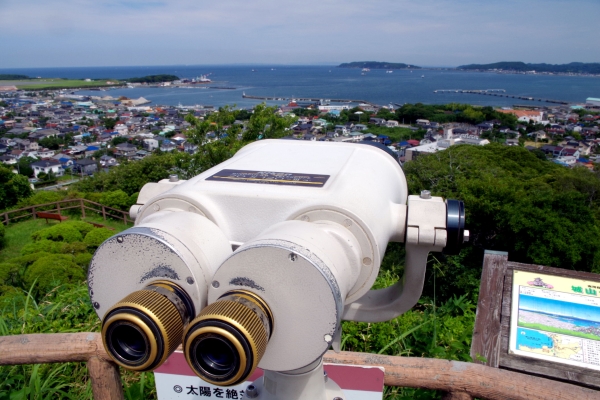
{"x":109,"y":123}
{"x":116,"y":199}
{"x":13,"y":188}
{"x":24,"y":166}
{"x":539,"y":212}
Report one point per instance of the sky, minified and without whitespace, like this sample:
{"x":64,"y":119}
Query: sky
{"x":74,"y":33}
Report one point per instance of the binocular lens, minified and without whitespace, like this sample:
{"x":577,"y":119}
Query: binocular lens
{"x":225,"y":343}
{"x":216,"y":355}
{"x":129,"y":343}
{"x":144,"y":328}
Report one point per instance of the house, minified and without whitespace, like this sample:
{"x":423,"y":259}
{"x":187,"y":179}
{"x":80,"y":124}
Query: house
{"x":538,"y":135}
{"x":526,"y":115}
{"x":45,"y":153}
{"x":125,"y":150}
{"x":85,"y":166}
{"x":46,"y":166}
{"x":141,"y":154}
{"x":150,"y":144}
{"x":8,"y":160}
{"x":78,"y":151}
{"x":167,"y":145}
{"x":25,"y":144}
{"x":91,"y":150}
{"x":377,"y":121}
{"x":190,"y":148}
{"x":357,"y":136}
{"x":566,"y":152}
{"x":108,"y":161}
{"x":391,"y":123}
{"x":550,"y":150}
{"x":43,"y":133}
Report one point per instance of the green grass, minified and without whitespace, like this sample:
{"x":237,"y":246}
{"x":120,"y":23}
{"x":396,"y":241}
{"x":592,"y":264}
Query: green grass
{"x":65,"y":308}
{"x":19,"y":234}
{"x":542,"y":327}
{"x":50,"y":84}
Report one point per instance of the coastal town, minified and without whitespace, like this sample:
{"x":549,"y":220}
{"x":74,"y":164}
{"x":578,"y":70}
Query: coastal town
{"x":58,"y":134}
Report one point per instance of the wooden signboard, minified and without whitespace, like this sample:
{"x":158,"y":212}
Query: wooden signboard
{"x":538,"y":320}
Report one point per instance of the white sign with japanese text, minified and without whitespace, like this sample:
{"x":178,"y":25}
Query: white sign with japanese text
{"x":176,"y":381}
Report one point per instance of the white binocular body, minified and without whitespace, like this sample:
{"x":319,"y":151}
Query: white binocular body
{"x":256,"y":261}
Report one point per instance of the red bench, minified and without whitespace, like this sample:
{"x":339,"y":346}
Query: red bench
{"x":48,"y":216}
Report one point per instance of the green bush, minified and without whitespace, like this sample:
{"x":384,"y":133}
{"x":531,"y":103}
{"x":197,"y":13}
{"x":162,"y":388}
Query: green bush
{"x":10,"y":274}
{"x":27,"y":260}
{"x":2,"y":236}
{"x":59,"y":233}
{"x":42,"y":197}
{"x":52,"y":271}
{"x":44,"y":245}
{"x":117,"y":199}
{"x":83,"y":227}
{"x":96,"y":237}
{"x":74,"y":248}
{"x":83,"y":260}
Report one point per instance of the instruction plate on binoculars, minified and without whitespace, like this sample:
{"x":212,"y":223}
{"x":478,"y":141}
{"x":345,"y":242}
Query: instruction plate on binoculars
{"x":269,"y":177}
{"x":175,"y":380}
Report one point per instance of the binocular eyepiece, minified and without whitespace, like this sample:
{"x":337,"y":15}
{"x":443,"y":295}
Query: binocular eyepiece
{"x":225,"y":343}
{"x":144,"y":328}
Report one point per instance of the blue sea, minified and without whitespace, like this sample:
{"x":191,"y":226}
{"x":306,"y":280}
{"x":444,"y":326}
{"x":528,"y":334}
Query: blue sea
{"x":573,"y":313}
{"x":328,"y":82}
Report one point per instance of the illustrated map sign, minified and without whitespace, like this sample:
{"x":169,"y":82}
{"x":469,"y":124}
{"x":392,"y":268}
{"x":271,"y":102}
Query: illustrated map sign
{"x":555,"y":319}
{"x":175,"y":380}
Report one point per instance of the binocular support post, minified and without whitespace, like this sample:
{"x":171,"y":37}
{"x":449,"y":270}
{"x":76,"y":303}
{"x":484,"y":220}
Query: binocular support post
{"x":310,"y":383}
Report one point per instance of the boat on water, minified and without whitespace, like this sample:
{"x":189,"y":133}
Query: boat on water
{"x":365,"y":70}
{"x":422,"y":76}
{"x":389,"y":72}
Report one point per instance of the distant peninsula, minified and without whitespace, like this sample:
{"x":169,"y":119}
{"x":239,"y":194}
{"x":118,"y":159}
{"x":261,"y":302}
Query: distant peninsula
{"x":377,"y":65}
{"x":154,"y":79}
{"x":518,"y":66}
{"x":10,"y":77}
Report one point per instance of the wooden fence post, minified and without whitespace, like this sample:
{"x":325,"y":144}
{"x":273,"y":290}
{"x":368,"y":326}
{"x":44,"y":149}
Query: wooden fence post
{"x":58,"y":208}
{"x":33,"y":212}
{"x":485,"y":345}
{"x":106,"y":381}
{"x":104,"y":213}
{"x":82,"y":209}
{"x":6,"y":218}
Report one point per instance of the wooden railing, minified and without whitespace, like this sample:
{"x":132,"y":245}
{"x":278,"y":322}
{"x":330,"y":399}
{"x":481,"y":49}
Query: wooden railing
{"x":460,"y":380}
{"x":59,"y":206}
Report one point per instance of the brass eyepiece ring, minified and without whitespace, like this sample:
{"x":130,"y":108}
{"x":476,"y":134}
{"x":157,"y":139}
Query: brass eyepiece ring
{"x":226,"y":341}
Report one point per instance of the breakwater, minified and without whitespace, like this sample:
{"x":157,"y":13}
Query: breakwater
{"x":305,"y":99}
{"x":499,"y":93}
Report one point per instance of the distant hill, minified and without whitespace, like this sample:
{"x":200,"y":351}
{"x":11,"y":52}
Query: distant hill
{"x":154,"y":79}
{"x":10,"y":77}
{"x":377,"y":65}
{"x":574,"y":67}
